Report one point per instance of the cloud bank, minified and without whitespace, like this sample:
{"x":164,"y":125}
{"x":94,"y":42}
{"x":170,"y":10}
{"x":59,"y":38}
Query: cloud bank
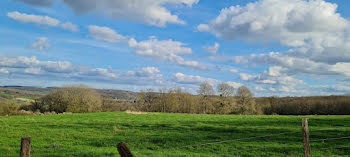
{"x":150,"y":12}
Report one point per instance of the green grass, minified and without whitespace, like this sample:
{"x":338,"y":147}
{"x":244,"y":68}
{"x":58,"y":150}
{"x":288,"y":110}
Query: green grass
{"x":155,"y":134}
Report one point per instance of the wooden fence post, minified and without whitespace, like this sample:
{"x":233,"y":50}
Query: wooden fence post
{"x":123,"y":150}
{"x":305,"y":128}
{"x":25,"y":147}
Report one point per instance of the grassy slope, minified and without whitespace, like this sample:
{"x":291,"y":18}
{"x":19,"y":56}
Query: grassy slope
{"x":96,"y":134}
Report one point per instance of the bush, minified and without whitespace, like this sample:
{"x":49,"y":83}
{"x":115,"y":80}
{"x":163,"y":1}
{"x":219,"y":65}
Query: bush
{"x":8,"y":108}
{"x":76,"y":99}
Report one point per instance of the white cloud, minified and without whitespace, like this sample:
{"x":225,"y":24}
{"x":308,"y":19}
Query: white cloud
{"x":154,"y":47}
{"x":192,"y":82}
{"x":167,"y":50}
{"x":32,"y":68}
{"x":4,"y":71}
{"x":318,"y":36}
{"x":213,"y":49}
{"x":274,"y":81}
{"x":246,"y":77}
{"x":191,"y":79}
{"x":234,"y":84}
{"x":37,"y":19}
{"x":292,"y":22}
{"x":69,"y":26}
{"x":259,"y":88}
{"x":266,"y":78}
{"x":150,"y":12}
{"x":147,"y":71}
{"x":233,"y":71}
{"x":293,"y":65}
{"x":272,"y":89}
{"x":42,"y":20}
{"x":105,"y":34}
{"x":41,"y":43}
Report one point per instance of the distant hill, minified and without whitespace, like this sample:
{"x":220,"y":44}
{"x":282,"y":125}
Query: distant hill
{"x":30,"y":88}
{"x":121,"y":95}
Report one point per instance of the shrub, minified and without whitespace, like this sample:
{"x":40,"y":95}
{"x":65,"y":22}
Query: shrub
{"x":8,"y":108}
{"x":76,"y":99}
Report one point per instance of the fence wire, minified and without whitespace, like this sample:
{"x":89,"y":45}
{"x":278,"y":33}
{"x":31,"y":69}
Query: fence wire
{"x":329,"y":139}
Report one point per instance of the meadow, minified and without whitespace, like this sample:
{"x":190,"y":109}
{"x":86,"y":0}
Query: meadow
{"x":166,"y":134}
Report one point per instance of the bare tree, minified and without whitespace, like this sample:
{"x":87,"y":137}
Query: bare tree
{"x":245,"y":100}
{"x":206,"y":89}
{"x":225,"y":90}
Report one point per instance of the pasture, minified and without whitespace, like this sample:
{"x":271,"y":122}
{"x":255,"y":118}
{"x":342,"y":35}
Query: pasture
{"x":164,"y":134}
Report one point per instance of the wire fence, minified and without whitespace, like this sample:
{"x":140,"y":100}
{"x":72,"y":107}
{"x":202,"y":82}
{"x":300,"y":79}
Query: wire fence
{"x":252,"y":148}
{"x":289,"y":147}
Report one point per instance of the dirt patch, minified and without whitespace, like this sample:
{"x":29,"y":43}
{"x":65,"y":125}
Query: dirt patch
{"x":134,"y":112}
{"x":25,"y":99}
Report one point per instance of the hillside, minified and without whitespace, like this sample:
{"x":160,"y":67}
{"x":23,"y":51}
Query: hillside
{"x":34,"y":92}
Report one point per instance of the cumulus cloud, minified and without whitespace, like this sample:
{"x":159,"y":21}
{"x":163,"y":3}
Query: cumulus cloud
{"x":233,"y":71}
{"x":55,"y":71}
{"x":274,"y":81}
{"x":58,"y":70}
{"x":105,"y":34}
{"x":4,"y":70}
{"x":292,"y":22}
{"x":259,"y":88}
{"x":192,"y":79}
{"x":42,"y":20}
{"x":266,"y":78}
{"x":41,"y":43}
{"x":234,"y":84}
{"x":317,"y":35}
{"x":167,"y":50}
{"x":37,"y":19}
{"x":293,"y":65}
{"x":150,"y":12}
{"x":70,"y":26}
{"x":213,"y":49}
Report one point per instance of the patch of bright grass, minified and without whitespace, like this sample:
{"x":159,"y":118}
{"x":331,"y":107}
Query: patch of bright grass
{"x":158,"y":134}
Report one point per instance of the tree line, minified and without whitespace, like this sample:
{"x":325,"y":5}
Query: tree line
{"x":206,"y":102}
{"x":224,"y":100}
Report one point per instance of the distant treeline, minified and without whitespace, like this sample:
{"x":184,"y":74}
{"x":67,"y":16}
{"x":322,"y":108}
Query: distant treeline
{"x":225,"y":100}
{"x":178,"y":101}
{"x":317,"y":105}
{"x":186,"y":103}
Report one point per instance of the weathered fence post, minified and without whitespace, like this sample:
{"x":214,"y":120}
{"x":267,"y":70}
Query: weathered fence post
{"x":305,"y":128}
{"x":25,"y":147}
{"x":124,"y":150}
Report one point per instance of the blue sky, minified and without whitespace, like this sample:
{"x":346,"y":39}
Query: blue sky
{"x":275,"y":47}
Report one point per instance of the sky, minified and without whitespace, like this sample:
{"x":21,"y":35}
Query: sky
{"x":274,"y":47}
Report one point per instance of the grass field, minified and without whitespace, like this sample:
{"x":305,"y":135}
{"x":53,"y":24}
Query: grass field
{"x":155,"y":134}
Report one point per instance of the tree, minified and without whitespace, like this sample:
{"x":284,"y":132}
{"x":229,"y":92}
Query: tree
{"x":225,"y":90}
{"x":206,"y":89}
{"x":77,"y":99}
{"x":147,"y":101}
{"x":245,"y":100}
